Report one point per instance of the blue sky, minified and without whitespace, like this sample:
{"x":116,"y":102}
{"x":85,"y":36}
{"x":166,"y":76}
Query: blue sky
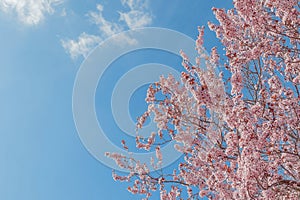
{"x":43,"y":44}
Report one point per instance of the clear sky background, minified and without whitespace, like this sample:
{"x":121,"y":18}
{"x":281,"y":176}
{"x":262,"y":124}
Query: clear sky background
{"x":42,"y":46}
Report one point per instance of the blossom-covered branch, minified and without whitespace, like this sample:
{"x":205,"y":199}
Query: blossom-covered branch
{"x":241,"y":143}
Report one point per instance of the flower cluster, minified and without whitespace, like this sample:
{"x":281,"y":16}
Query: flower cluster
{"x":242,"y":142}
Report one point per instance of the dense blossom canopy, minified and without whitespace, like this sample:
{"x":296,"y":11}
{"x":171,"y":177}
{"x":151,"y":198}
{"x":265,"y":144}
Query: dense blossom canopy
{"x":239,"y":143}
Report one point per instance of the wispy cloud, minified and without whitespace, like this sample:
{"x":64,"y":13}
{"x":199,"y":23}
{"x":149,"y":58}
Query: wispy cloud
{"x":135,"y":15}
{"x":106,"y":27}
{"x":135,"y":4}
{"x":29,"y":12}
{"x":81,"y":46}
{"x":138,"y":14}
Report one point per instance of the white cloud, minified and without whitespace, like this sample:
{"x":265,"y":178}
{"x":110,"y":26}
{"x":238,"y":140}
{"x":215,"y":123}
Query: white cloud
{"x":82,"y":46}
{"x":29,"y":11}
{"x":136,"y":19}
{"x":138,"y":16}
{"x":106,"y":27}
{"x":135,"y":4}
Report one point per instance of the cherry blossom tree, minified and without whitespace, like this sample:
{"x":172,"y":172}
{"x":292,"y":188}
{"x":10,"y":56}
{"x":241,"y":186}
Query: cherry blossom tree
{"x":239,"y":143}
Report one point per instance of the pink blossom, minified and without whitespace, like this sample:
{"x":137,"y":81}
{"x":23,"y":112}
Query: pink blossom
{"x":242,"y":143}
